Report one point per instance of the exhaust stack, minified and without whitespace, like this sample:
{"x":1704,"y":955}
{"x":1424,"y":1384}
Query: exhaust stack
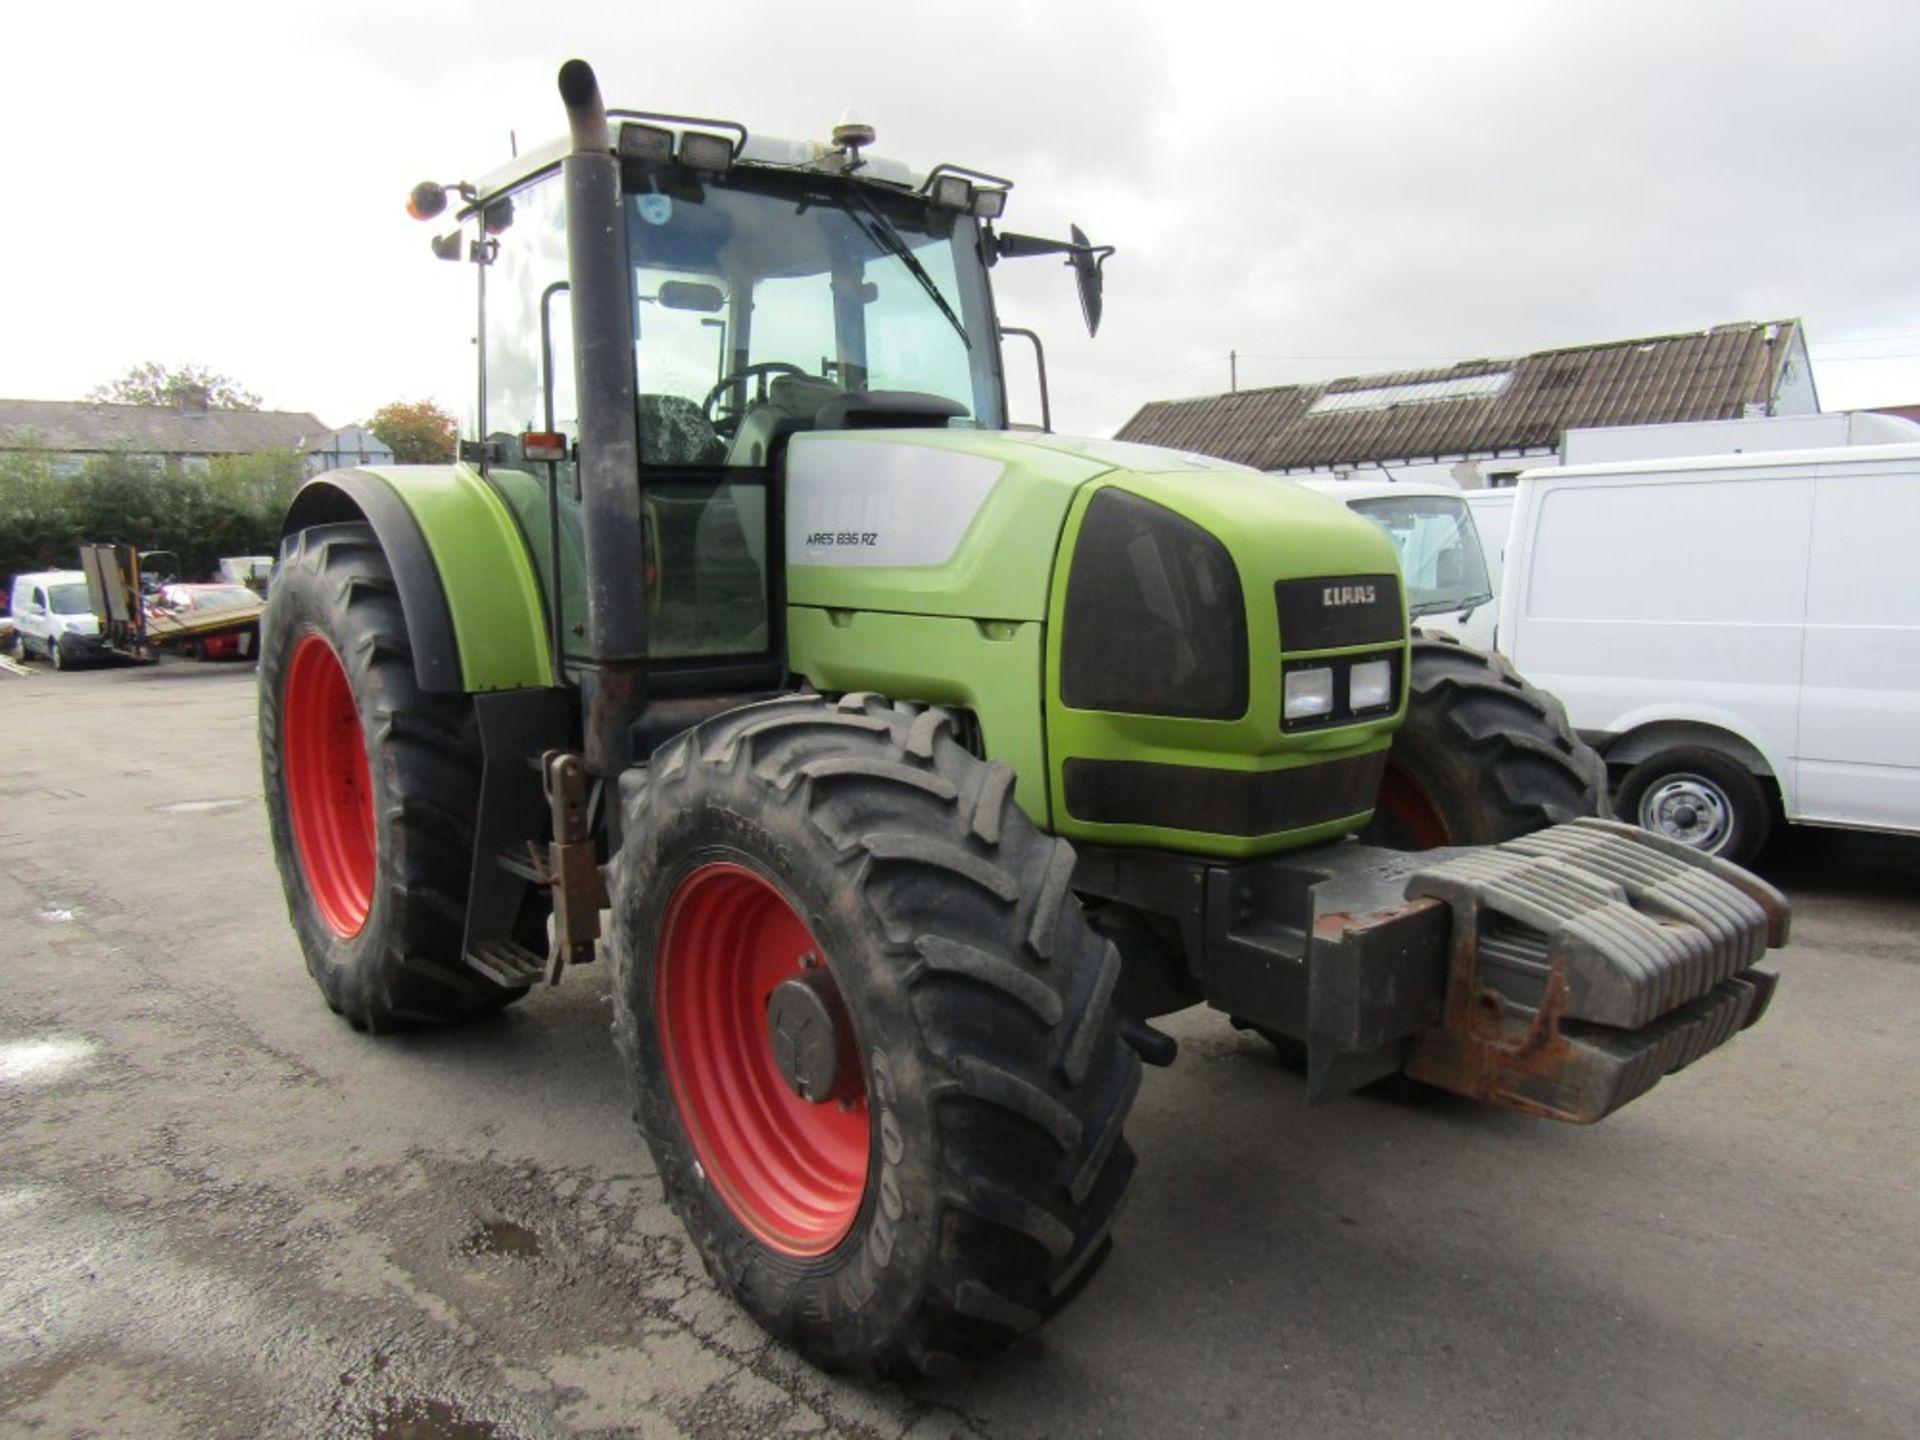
{"x":612,"y":505}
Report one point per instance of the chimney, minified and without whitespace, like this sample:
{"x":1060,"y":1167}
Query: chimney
{"x":192,"y":399}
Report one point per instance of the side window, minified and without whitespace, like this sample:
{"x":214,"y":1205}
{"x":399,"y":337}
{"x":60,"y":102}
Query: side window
{"x":526,"y":235}
{"x":528,"y":385}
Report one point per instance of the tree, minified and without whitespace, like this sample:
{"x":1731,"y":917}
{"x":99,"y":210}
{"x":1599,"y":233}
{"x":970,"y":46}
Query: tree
{"x":234,"y":507}
{"x":418,"y":432}
{"x":152,"y":383}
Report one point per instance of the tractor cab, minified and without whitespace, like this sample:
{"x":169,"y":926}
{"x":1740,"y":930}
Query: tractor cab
{"x":770,"y":288}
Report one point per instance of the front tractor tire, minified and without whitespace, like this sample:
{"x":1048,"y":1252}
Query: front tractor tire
{"x":871,"y":1036}
{"x":1483,"y":756}
{"x":371,"y":786}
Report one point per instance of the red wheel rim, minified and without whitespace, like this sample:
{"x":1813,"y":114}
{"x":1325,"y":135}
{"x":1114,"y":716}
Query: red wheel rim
{"x":329,"y":788}
{"x":1408,"y":807}
{"x":792,"y":1172}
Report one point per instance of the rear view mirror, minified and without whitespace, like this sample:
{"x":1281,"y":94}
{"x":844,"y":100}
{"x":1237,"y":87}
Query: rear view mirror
{"x":1086,"y":262}
{"x":691,"y":295}
{"x":1085,"y":258}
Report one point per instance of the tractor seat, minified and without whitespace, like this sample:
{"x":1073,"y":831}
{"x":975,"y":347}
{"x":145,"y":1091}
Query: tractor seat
{"x":793,"y":403}
{"x":675,"y":431}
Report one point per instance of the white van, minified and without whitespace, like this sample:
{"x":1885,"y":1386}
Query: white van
{"x":1738,"y":634}
{"x":1442,"y":558}
{"x":53,"y":617}
{"x":1493,"y":518}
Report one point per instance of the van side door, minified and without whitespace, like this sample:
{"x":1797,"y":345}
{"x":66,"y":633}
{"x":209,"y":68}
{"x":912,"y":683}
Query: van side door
{"x":1860,"y":692}
{"x":38,"y":620}
{"x":1677,"y":595}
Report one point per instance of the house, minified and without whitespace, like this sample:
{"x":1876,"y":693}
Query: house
{"x":189,"y":433}
{"x":1480,"y":422}
{"x":347,"y":447}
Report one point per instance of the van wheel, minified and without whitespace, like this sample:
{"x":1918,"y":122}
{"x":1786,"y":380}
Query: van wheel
{"x":1700,"y":798}
{"x":58,"y":655}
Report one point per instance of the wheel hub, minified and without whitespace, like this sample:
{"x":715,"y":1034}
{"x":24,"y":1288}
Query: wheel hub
{"x":1689,"y":809}
{"x":756,"y":1040}
{"x":807,"y":1028}
{"x":329,"y":786}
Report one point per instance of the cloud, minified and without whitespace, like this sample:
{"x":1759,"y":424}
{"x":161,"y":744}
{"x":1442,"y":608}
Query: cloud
{"x":1327,"y":190}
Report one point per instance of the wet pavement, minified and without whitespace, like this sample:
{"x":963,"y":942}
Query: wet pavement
{"x":223,"y":1213}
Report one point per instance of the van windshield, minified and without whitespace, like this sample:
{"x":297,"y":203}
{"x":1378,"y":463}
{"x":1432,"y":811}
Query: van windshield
{"x":68,"y":599}
{"x":1439,"y":549}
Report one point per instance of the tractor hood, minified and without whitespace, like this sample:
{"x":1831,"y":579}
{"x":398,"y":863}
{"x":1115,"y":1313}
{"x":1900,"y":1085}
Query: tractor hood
{"x":968,"y":523}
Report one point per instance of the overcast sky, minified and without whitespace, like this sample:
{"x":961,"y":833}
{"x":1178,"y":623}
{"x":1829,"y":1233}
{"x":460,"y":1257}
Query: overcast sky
{"x":1329,"y":189}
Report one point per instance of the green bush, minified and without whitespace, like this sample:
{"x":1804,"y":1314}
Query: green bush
{"x":233,"y":507}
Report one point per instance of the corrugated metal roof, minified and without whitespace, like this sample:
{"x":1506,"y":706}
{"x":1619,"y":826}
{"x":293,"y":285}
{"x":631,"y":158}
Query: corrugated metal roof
{"x":83,"y":427}
{"x":1413,"y":415}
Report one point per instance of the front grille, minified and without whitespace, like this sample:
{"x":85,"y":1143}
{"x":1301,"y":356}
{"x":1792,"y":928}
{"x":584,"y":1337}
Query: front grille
{"x":1221,"y":802}
{"x":1155,"y":621}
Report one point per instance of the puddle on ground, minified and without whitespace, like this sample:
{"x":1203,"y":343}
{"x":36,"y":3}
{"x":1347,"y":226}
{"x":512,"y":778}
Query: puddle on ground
{"x":202,"y":807}
{"x":501,"y":1237}
{"x":42,"y":1061}
{"x":427,"y":1419}
{"x":53,"y":915}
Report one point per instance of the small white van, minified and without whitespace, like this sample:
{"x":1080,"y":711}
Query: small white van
{"x":1739,"y":635}
{"x":52,"y":616}
{"x":1442,"y":558}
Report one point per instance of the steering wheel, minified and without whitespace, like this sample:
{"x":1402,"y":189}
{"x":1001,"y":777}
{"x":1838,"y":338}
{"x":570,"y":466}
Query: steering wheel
{"x":760,"y":369}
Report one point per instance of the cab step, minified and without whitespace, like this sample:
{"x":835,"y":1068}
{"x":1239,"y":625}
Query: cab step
{"x":511,"y":966}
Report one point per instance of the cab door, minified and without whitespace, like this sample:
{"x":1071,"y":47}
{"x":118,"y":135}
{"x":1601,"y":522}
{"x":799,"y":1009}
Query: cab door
{"x":709,"y":574}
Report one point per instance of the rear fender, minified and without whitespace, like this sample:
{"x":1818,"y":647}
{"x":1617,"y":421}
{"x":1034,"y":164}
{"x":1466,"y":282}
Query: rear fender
{"x":476,"y":618}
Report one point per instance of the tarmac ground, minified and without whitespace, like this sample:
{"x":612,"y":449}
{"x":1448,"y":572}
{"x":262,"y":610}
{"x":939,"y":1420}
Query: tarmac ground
{"x":224,"y":1213}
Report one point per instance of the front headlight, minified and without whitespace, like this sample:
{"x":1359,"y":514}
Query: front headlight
{"x":1308,"y":693}
{"x":1370,"y":686}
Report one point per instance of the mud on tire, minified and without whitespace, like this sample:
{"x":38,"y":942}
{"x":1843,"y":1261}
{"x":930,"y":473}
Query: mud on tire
{"x":993,"y":1074}
{"x":1483,"y":756}
{"x":402,"y":965}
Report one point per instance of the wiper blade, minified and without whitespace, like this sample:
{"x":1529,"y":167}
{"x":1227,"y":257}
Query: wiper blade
{"x":883,"y":234}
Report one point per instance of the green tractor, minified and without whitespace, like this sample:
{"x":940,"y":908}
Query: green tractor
{"x":920,"y":761}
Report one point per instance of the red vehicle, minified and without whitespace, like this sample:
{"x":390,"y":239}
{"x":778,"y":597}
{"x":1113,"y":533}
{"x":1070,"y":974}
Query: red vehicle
{"x":192,"y":603}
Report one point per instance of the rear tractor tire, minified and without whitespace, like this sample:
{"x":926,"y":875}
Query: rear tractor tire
{"x":871,"y":1035}
{"x":1482,"y":756}
{"x":371,"y":787}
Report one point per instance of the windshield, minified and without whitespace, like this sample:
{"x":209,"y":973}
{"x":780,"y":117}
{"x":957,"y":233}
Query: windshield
{"x":69,"y":599}
{"x":1439,"y":549}
{"x":776,"y":295}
